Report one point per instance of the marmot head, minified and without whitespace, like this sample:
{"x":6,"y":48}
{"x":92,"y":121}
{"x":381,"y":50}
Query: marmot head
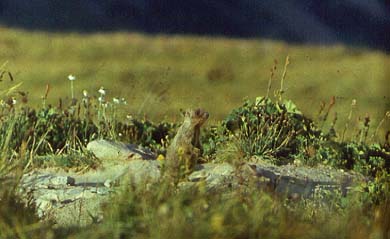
{"x":196,"y":117}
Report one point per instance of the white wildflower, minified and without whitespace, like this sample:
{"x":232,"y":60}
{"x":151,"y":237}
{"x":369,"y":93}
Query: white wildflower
{"x":116,"y":100}
{"x":102,"y":91}
{"x":71,"y":77}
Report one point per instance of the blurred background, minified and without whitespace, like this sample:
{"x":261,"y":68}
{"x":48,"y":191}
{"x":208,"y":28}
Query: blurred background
{"x":166,"y":55}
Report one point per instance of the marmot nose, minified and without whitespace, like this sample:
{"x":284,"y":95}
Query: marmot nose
{"x":206,"y":115}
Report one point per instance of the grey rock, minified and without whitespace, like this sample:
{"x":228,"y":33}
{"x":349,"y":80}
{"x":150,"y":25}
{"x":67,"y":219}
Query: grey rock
{"x":36,"y":179}
{"x":106,"y":149}
{"x":49,"y":201}
{"x":286,"y":180}
{"x":112,"y":174}
{"x":215,"y":177}
{"x":71,"y":199}
{"x":141,"y":171}
{"x":211,"y":171}
{"x":79,"y":213}
{"x":305,"y":181}
{"x":56,"y":197}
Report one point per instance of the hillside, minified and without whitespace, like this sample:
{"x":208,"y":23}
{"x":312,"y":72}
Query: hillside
{"x":162,"y":74}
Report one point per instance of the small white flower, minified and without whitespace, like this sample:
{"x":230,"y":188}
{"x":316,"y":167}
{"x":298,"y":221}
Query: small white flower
{"x":71,"y":77}
{"x":123,"y":101}
{"x":102,"y":91}
{"x":120,"y":134}
{"x":101,"y":99}
{"x":129,"y":117}
{"x":116,"y":100}
{"x":14,"y":101}
{"x":85,"y":93}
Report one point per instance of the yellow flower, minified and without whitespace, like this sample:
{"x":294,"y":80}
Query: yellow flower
{"x":160,"y":157}
{"x":180,"y":151}
{"x":217,"y":222}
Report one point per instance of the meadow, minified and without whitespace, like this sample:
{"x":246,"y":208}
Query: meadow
{"x":158,"y":75}
{"x":343,"y":89}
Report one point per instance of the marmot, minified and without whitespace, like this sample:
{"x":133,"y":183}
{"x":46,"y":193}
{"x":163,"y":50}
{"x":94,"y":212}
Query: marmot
{"x":185,"y":149}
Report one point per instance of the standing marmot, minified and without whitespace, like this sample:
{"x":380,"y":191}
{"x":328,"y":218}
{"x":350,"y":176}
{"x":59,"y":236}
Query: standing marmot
{"x":184,"y":151}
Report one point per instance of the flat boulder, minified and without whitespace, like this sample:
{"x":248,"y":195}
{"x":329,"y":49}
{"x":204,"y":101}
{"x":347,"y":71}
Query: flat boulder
{"x":306,"y":181}
{"x":112,"y":150}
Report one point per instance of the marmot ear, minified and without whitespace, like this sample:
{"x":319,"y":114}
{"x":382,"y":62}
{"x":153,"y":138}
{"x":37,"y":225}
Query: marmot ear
{"x":182,"y":112}
{"x":197,"y":112}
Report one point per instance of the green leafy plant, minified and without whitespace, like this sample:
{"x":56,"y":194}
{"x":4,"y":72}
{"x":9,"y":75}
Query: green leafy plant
{"x":267,"y":128}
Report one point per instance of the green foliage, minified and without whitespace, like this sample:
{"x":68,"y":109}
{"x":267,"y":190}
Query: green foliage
{"x":377,"y":191}
{"x":280,"y":133}
{"x":367,"y":159}
{"x":67,"y":161}
{"x":159,"y":211}
{"x":52,"y":136}
{"x":57,"y":136}
{"x":160,"y":67}
{"x":269,"y":129}
{"x":52,"y":130}
{"x":18,"y":221}
{"x":146,"y":133}
{"x":273,"y":130}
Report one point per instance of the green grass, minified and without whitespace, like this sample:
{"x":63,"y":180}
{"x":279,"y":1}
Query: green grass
{"x":158,"y":75}
{"x":161,"y":211}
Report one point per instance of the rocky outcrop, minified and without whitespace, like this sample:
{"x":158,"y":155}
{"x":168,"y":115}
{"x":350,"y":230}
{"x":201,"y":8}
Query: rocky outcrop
{"x":106,"y":150}
{"x":73,"y":199}
{"x":59,"y":199}
{"x":305,"y":181}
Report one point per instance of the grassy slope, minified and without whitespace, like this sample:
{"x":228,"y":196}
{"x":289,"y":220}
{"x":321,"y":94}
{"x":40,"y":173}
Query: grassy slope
{"x":140,"y":68}
{"x":159,"y":75}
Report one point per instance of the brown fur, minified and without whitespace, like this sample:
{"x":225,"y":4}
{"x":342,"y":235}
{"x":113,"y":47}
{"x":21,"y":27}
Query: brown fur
{"x":185,"y":149}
